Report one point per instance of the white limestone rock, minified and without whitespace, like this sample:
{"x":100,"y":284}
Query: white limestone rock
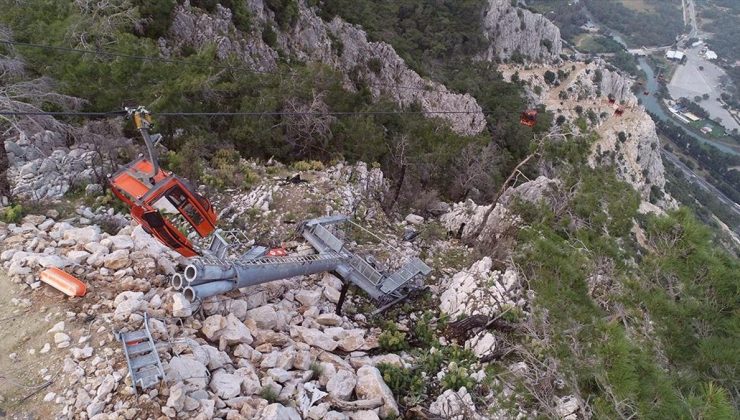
{"x":370,"y":385}
{"x":455,"y":406}
{"x":313,"y":337}
{"x":342,"y":384}
{"x":181,"y":306}
{"x":127,"y":303}
{"x":186,"y":369}
{"x":225,"y":385}
{"x":278,"y":411}
{"x":264,"y":317}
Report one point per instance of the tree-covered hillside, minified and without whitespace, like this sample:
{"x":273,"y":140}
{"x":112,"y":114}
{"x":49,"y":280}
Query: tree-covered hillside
{"x":199,"y":82}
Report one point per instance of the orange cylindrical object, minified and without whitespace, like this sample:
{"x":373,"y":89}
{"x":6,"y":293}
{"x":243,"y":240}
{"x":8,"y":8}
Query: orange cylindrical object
{"x":64,"y":282}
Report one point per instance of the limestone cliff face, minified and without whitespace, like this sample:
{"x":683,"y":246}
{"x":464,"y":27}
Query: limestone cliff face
{"x":594,"y":81}
{"x":511,"y":29}
{"x":338,"y":44}
{"x":587,"y":87}
{"x":465,"y":218}
{"x":635,"y":152}
{"x":192,"y":27}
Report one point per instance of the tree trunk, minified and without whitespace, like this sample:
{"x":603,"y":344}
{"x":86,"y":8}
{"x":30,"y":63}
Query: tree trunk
{"x":4,"y":165}
{"x":475,"y":237}
{"x":397,"y":189}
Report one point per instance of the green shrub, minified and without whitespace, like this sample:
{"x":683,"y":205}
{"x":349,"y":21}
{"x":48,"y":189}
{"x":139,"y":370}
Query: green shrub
{"x":316,"y":370}
{"x":269,"y":36}
{"x":405,"y":383}
{"x":423,"y":330}
{"x":308,"y":165}
{"x":456,"y":378}
{"x":375,"y":65}
{"x":392,"y":340}
{"x":286,"y":12}
{"x":269,"y":394}
{"x":12,"y":214}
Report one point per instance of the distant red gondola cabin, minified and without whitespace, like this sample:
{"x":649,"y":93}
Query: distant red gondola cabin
{"x":528,"y":118}
{"x":148,"y":197}
{"x":619,"y":110}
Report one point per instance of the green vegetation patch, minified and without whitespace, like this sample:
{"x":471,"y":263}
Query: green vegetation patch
{"x":597,"y":44}
{"x":657,"y":23}
{"x":604,"y":337}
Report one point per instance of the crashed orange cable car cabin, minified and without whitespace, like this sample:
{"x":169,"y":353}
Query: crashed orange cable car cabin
{"x":528,"y":118}
{"x":151,"y":193}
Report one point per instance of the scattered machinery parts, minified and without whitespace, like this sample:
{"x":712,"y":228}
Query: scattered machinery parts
{"x":142,"y":358}
{"x":221,"y":271}
{"x":149,"y":191}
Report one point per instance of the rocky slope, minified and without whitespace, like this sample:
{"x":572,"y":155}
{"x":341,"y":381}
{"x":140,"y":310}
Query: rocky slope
{"x":338,"y":44}
{"x":511,"y":30}
{"x":275,"y":351}
{"x":586,"y":87}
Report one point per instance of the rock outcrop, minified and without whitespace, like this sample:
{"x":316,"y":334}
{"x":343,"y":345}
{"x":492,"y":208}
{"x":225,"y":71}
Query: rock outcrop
{"x":480,"y":290}
{"x":631,"y":144}
{"x":512,"y":30}
{"x":582,"y":92}
{"x":465,"y":218}
{"x":341,"y":45}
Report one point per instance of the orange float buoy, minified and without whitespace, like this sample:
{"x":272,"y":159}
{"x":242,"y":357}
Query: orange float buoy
{"x":277,"y":252}
{"x":64,"y":282}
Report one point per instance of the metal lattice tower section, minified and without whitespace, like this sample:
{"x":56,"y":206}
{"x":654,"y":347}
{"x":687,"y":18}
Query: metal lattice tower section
{"x":227,"y":266}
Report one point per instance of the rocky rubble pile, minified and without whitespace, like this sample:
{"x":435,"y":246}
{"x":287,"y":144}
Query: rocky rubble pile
{"x":41,"y":167}
{"x":279,"y":351}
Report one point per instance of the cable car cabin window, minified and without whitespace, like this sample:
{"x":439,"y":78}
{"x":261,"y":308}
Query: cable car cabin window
{"x":179,"y":199}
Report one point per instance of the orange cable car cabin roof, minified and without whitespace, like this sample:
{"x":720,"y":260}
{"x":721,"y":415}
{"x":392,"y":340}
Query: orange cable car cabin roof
{"x":132,"y":185}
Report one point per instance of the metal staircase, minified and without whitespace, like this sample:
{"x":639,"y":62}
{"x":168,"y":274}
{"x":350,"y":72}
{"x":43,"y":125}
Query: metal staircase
{"x":142,"y":357}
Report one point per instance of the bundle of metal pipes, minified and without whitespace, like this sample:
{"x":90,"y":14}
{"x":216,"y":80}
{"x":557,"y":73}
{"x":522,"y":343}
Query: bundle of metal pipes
{"x":207,"y":277}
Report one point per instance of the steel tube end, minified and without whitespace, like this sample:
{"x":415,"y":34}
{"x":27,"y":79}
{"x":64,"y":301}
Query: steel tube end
{"x":190,"y":294}
{"x":191,"y":272}
{"x":177,"y":281}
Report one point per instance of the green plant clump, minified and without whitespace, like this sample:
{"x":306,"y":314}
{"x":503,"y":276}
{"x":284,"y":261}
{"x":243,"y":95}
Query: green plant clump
{"x":12,"y":214}
{"x":392,"y":340}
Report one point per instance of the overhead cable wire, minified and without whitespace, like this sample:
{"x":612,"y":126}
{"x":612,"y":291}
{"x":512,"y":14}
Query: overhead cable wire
{"x":235,"y":114}
{"x":61,"y":113}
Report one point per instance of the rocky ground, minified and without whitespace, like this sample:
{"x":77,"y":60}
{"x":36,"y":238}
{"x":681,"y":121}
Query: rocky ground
{"x":275,"y":351}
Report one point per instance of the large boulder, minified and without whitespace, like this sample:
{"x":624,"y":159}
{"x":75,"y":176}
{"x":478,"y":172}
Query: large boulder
{"x":313,"y":337}
{"x":226,"y":330}
{"x":264,"y":317}
{"x":225,"y":385}
{"x":83,"y":235}
{"x":188,"y":370}
{"x":370,"y":385}
{"x":342,"y":384}
{"x":117,"y":260}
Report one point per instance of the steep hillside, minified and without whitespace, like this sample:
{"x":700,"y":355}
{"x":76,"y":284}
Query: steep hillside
{"x":516,"y":34}
{"x":565,"y":281}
